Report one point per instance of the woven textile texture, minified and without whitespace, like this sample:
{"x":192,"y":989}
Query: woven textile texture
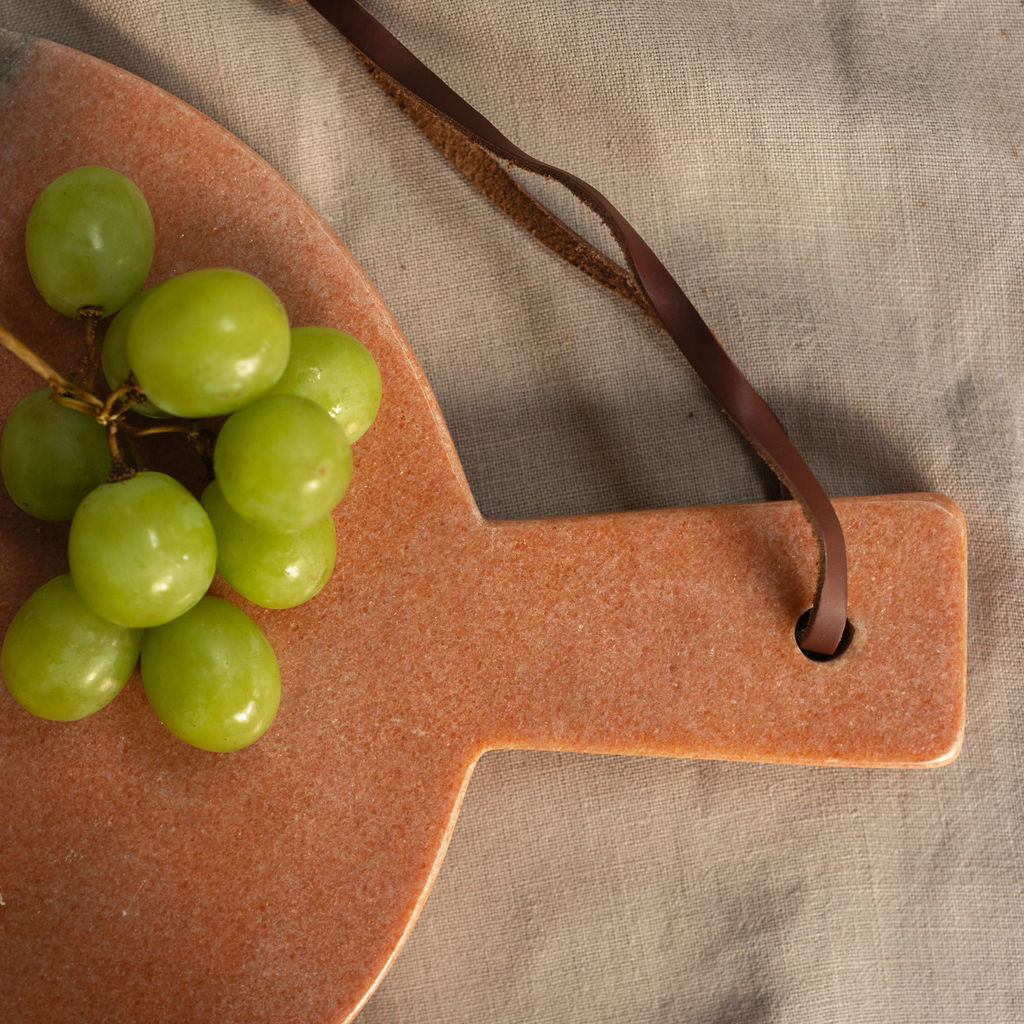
{"x":839,"y":187}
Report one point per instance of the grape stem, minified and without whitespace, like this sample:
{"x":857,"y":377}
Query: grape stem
{"x":88,"y":366}
{"x":108,"y":413}
{"x":128,"y":393}
{"x":122,"y":468}
{"x":63,"y":390}
{"x":201,"y":440}
{"x":169,"y":428}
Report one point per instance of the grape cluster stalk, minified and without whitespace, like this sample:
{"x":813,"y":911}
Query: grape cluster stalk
{"x":143,"y":549}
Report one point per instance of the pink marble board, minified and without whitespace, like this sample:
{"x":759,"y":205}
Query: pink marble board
{"x":145,"y":881}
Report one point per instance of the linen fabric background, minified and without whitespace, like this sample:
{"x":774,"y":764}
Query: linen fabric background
{"x":839,"y":187}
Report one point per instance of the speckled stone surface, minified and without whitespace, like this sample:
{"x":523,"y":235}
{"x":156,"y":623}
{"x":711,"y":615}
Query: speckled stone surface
{"x":145,"y":881}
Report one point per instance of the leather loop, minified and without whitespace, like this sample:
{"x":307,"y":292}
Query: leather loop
{"x":464,"y":134}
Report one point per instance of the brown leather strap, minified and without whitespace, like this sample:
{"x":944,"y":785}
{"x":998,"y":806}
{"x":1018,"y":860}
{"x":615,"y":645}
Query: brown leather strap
{"x":484,"y":172}
{"x":447,"y":118}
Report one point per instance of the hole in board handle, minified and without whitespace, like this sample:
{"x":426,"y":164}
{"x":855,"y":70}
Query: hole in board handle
{"x":844,"y":642}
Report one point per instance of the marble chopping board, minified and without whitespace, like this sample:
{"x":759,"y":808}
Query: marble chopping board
{"x":142,"y":880}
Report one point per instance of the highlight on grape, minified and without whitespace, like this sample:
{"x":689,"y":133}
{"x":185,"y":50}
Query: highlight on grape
{"x":143,"y":549}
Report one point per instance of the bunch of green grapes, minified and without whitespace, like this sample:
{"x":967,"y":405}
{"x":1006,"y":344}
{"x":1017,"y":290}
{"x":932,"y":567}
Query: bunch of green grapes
{"x":142,"y":548}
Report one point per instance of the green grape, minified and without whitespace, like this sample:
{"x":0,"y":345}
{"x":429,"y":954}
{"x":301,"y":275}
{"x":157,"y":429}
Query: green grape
{"x":142,"y":551}
{"x":208,"y":342}
{"x":211,"y":676}
{"x":282,"y":463}
{"x":337,"y":372}
{"x":89,"y":241}
{"x":60,"y":659}
{"x":51,"y":456}
{"x":273,"y":570}
{"x":113,"y":358}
